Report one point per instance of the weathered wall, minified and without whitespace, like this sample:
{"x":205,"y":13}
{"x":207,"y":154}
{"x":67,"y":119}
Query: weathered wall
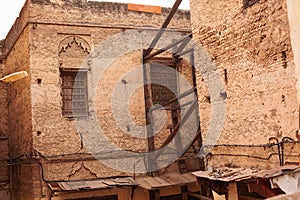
{"x":102,"y":14}
{"x":36,"y":124}
{"x":294,"y":21}
{"x":19,"y":117}
{"x":16,"y":51}
{"x":4,"y":179}
{"x":252,"y":51}
{"x":52,"y":26}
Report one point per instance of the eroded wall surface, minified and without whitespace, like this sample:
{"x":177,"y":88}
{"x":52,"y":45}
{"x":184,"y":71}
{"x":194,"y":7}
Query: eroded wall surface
{"x":50,"y":35}
{"x":250,"y":46}
{"x":4,"y":178}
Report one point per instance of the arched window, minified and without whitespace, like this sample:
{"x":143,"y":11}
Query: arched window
{"x":73,"y":53}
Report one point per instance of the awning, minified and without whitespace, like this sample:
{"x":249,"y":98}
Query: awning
{"x":91,"y":185}
{"x":240,"y":174}
{"x":263,"y":182}
{"x":166,"y":180}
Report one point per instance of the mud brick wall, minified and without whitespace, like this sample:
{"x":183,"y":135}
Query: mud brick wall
{"x":250,"y":45}
{"x":4,"y":179}
{"x":36,"y":124}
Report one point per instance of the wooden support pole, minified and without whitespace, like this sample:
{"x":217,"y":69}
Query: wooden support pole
{"x":174,"y":132}
{"x":154,"y":195}
{"x":184,"y":192}
{"x":232,"y":191}
{"x":184,"y":120}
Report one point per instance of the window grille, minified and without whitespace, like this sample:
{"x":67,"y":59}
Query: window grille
{"x":74,"y":93}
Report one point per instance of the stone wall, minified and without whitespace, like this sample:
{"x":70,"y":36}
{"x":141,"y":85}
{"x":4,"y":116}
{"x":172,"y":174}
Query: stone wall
{"x":250,"y":47}
{"x":20,"y":115}
{"x":4,"y":179}
{"x":102,"y":14}
{"x":16,"y":30}
{"x":37,"y":44}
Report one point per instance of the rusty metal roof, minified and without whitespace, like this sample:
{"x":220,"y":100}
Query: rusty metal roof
{"x":149,"y":183}
{"x":166,"y":180}
{"x":226,"y":174}
{"x":239,"y":174}
{"x":91,"y":185}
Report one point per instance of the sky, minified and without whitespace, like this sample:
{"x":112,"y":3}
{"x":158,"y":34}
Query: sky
{"x":9,"y":10}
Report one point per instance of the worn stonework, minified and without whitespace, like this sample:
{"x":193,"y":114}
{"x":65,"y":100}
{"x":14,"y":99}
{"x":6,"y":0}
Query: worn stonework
{"x":45,"y":146}
{"x":252,"y":51}
{"x":4,"y":178}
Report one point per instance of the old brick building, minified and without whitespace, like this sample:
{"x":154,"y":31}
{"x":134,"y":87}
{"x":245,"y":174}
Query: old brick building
{"x":50,"y":154}
{"x":250,"y":44}
{"x":251,"y":47}
{"x":85,"y":91}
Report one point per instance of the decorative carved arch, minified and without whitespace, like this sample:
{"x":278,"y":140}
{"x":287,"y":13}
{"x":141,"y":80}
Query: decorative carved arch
{"x":74,"y":40}
{"x":72,"y":51}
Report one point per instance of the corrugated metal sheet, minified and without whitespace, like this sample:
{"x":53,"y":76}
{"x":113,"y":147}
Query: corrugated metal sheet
{"x":149,"y":183}
{"x":91,"y":185}
{"x":238,"y":174}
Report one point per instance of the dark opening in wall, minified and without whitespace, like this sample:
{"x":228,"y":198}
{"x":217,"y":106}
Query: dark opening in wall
{"x":225,"y":76}
{"x":207,"y":99}
{"x":284,"y":60}
{"x":39,"y":81}
{"x":248,"y":3}
{"x":1,"y":61}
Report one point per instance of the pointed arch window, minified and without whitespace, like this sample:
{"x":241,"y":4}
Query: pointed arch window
{"x":74,"y":77}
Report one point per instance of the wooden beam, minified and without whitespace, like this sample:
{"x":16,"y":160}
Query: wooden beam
{"x":183,"y":121}
{"x":163,"y":27}
{"x":185,"y":52}
{"x":198,"y":196}
{"x":188,"y":92}
{"x":185,"y":40}
{"x":183,"y":45}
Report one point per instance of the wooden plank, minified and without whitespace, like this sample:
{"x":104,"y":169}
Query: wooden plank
{"x":163,"y":182}
{"x":110,"y":183}
{"x":96,"y":184}
{"x":154,"y":183}
{"x":182,"y":178}
{"x":64,"y":186}
{"x":144,"y":184}
{"x":175,"y":179}
{"x":190,"y":177}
